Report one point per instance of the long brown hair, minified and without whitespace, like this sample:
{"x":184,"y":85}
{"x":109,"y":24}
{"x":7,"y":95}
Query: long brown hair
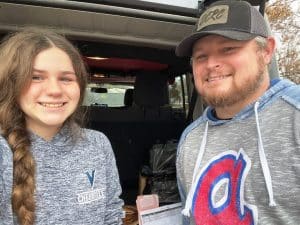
{"x":17,"y":54}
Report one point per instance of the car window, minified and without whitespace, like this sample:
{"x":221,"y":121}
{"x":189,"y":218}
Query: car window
{"x":109,"y":95}
{"x":178,"y":90}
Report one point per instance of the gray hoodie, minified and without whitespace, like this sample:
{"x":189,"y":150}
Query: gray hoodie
{"x":245,"y":170}
{"x":77,"y":180}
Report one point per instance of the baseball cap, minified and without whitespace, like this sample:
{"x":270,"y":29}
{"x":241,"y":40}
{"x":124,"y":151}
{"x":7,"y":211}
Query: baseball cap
{"x":232,"y":19}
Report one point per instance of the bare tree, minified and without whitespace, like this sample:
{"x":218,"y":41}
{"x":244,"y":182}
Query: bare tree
{"x":285,"y":24}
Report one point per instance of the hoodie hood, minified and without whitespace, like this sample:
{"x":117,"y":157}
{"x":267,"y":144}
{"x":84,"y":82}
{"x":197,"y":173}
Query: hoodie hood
{"x":277,"y":88}
{"x":67,"y":135}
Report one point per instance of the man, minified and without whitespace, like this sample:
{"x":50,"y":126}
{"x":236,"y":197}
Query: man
{"x":239,"y":163}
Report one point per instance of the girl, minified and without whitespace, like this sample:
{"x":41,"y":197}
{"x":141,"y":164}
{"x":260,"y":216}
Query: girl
{"x":51,"y":170}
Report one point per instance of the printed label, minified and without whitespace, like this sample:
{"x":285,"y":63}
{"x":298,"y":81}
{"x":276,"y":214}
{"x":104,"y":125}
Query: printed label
{"x":214,"y":15}
{"x":90,"y":196}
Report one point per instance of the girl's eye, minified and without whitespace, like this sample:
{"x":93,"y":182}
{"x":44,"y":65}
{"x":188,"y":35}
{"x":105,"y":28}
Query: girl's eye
{"x":68,"y":78}
{"x":65,"y":79}
{"x":37,"y":77}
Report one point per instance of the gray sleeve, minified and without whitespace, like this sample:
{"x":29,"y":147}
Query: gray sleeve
{"x":1,"y":181}
{"x":6,"y":178}
{"x":297,"y":129}
{"x":114,"y":213}
{"x":185,"y":220}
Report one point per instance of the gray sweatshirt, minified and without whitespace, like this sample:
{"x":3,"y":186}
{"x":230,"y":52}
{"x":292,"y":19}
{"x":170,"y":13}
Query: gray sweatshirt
{"x":77,"y":181}
{"x":245,"y":170}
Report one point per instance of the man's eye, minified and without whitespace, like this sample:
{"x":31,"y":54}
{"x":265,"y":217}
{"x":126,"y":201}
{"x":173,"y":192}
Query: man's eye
{"x":200,"y":57}
{"x":229,"y":49}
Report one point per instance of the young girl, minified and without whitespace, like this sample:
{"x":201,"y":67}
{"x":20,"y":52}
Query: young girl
{"x":51,"y":170}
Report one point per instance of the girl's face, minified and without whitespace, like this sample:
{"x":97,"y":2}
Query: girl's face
{"x":53,"y":94}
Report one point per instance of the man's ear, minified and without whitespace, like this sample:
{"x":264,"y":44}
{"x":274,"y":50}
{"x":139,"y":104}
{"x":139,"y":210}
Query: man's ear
{"x":269,"y":50}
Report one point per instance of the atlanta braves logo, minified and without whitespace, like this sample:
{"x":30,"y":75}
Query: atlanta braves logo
{"x":219,"y":196}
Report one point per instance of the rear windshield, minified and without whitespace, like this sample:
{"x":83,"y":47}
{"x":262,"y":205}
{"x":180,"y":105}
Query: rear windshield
{"x":106,"y":95}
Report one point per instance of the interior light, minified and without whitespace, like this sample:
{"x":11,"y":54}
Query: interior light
{"x":98,"y":75}
{"x":96,"y":58}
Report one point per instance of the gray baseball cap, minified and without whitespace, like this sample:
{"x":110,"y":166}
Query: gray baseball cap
{"x":232,"y":19}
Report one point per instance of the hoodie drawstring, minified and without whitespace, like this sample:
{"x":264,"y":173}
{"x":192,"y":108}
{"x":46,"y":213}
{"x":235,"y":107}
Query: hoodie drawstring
{"x":188,"y":204}
{"x":263,"y":160}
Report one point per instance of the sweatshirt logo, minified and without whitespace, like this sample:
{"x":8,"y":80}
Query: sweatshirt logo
{"x":91,"y":177}
{"x":92,"y":194}
{"x":219,"y":196}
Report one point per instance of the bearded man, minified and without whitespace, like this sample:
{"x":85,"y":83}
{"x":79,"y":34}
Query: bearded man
{"x":239,"y":163}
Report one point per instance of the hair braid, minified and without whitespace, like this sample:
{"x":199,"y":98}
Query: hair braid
{"x":24,"y":172}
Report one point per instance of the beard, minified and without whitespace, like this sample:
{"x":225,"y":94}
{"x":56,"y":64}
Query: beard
{"x":237,"y":93}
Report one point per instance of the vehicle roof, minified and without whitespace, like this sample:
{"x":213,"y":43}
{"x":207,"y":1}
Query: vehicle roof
{"x":131,"y":29}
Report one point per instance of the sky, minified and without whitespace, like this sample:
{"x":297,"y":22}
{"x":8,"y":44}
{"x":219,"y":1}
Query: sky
{"x":182,"y":3}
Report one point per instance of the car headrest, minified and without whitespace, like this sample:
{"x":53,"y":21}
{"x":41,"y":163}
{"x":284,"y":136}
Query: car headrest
{"x":151,"y":89}
{"x":128,"y":97}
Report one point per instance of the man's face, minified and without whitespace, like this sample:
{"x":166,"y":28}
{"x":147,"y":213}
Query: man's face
{"x":228,"y":72}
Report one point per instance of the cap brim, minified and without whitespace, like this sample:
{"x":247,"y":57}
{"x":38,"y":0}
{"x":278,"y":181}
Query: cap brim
{"x":184,"y":48}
